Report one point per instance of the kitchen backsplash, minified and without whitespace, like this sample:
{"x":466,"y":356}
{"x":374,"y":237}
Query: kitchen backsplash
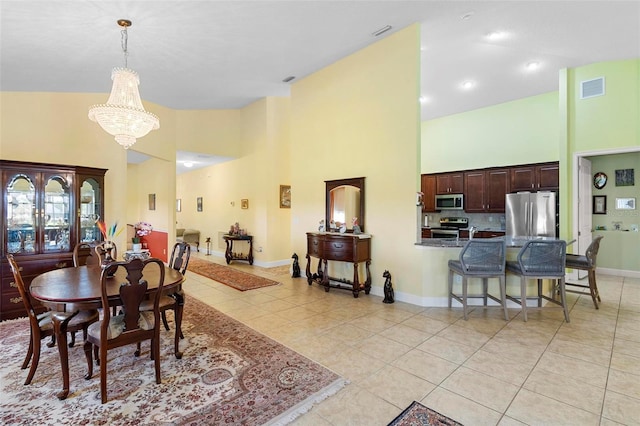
{"x":493,"y":221}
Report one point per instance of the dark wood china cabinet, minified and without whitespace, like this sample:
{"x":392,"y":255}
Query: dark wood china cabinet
{"x":46,"y":210}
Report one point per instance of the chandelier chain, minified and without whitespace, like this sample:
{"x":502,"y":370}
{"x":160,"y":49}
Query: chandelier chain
{"x":123,"y":42}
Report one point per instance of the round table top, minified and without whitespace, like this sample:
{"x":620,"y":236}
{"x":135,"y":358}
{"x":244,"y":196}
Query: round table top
{"x":82,"y":284}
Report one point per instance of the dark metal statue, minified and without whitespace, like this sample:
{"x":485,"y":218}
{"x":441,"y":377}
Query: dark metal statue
{"x":388,"y":288}
{"x":296,"y":266}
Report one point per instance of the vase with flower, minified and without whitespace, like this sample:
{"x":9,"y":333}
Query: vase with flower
{"x":142,"y":230}
{"x":108,"y":234}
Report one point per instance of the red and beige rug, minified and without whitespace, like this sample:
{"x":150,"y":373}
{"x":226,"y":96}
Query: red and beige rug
{"x":229,"y":374}
{"x":229,"y":276}
{"x":418,"y":415}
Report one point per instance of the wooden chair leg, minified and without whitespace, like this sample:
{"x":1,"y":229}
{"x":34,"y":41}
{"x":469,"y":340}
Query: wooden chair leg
{"x":29,"y":353}
{"x":164,"y":320}
{"x":87,"y":353}
{"x":35,"y":361}
{"x":593,"y":289}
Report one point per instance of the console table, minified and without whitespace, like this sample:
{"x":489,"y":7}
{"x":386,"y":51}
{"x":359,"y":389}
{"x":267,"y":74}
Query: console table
{"x":230,"y":255}
{"x":334,"y":246}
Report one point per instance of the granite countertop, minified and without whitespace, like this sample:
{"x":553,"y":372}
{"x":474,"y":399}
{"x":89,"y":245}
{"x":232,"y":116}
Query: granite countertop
{"x":513,"y":242}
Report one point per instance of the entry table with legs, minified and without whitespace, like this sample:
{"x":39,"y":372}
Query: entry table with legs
{"x":229,"y":253}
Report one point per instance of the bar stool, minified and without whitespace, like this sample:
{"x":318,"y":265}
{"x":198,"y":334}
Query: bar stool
{"x":586,"y":263}
{"x":540,"y":259}
{"x":480,"y":259}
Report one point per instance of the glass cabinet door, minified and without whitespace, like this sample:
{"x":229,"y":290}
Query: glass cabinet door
{"x":90,"y":208}
{"x":56,"y":214}
{"x":21,"y":213}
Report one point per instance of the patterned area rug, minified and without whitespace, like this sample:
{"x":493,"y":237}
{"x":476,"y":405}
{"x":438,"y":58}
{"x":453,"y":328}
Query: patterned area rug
{"x":229,"y":374}
{"x":418,"y":415}
{"x":232,"y":277}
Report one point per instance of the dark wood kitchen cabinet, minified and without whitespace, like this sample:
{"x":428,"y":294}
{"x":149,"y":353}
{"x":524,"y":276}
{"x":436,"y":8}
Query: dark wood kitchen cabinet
{"x":428,"y":188}
{"x":48,"y":209}
{"x":535,"y":177}
{"x":450,"y":183}
{"x":485,"y":190}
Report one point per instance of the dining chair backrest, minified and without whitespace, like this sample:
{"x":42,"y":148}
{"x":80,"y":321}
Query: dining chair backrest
{"x":542,"y":258}
{"x":84,"y":254}
{"x":592,"y":251}
{"x":132,"y":294}
{"x":483,"y":256}
{"x":180,"y":257}
{"x":24,"y":293}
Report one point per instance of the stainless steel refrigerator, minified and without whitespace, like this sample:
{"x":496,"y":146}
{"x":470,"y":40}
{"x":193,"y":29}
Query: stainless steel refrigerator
{"x":531,"y":214}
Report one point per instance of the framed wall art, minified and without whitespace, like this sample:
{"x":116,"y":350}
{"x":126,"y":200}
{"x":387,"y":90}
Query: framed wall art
{"x":285,"y":196}
{"x":625,"y":203}
{"x":625,"y":177}
{"x":152,"y":201}
{"x":599,"y":204}
{"x":199,"y":204}
{"x":244,"y":203}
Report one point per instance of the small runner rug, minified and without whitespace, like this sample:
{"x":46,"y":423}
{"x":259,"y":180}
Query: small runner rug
{"x":229,"y":276}
{"x":418,"y":415}
{"x":229,"y":374}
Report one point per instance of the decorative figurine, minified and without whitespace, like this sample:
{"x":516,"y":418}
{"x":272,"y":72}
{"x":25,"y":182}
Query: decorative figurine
{"x":419,"y":198}
{"x":296,"y":267}
{"x":332,"y":225}
{"x":343,"y":228}
{"x":388,"y":288}
{"x":321,"y":226}
{"x":356,"y":227}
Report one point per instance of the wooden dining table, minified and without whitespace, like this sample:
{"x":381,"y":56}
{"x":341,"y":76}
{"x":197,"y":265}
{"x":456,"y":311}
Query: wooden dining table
{"x":80,"y":289}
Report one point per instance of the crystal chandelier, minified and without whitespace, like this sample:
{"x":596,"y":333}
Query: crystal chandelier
{"x":123,"y":116}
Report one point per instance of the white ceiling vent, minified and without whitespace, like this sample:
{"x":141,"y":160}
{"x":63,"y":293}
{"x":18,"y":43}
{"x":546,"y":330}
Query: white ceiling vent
{"x":591,"y":88}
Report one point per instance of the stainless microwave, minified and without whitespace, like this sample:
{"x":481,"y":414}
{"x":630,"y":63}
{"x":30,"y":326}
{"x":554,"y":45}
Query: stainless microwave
{"x":450,"y":202}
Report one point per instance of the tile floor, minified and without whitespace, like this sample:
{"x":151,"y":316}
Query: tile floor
{"x":484,"y":371}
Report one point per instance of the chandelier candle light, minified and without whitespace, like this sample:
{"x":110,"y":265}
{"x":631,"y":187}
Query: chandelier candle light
{"x":123,"y":116}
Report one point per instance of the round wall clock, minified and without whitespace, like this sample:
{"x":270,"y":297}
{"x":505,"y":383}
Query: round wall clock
{"x":599,"y":180}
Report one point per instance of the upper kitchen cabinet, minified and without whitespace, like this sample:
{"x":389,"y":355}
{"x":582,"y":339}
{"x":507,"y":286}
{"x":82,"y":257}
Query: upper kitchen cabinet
{"x":428,"y":188}
{"x":535,"y":177}
{"x":450,"y":183}
{"x":485,"y":190}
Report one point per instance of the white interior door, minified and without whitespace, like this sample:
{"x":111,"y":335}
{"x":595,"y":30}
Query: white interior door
{"x":584,"y":209}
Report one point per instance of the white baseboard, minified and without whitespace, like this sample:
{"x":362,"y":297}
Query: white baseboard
{"x":618,"y":272}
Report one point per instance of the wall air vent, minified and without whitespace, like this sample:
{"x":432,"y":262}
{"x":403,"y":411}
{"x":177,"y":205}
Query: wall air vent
{"x":591,"y":88}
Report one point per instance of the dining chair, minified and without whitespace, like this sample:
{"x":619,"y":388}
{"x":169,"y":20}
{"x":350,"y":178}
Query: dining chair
{"x":179,"y":261}
{"x":479,"y":259}
{"x":130,"y":325}
{"x":540,"y":259}
{"x":84,"y":254}
{"x":586,"y":263}
{"x":41,"y":325}
{"x":101,"y":251}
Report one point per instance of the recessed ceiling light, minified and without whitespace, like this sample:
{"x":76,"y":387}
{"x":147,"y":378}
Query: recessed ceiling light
{"x":188,"y":164}
{"x":381,"y":31}
{"x":425,"y":99}
{"x":532,"y":66}
{"x":496,"y":35}
{"x":288,"y":79}
{"x":468,"y":84}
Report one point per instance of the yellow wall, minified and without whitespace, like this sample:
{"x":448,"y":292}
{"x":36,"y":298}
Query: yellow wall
{"x":360,"y":117}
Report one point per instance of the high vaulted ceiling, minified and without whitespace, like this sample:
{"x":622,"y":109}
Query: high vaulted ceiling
{"x":227,"y":54}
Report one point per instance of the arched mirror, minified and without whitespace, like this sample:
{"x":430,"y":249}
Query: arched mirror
{"x":344,"y":201}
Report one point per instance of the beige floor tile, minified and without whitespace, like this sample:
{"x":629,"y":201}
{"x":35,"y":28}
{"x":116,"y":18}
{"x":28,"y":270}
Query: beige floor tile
{"x":426,"y":366}
{"x":535,"y":409}
{"x":389,"y":313}
{"x":460,"y":408}
{"x":508,"y":421}
{"x":621,"y":408}
{"x":354,"y":406}
{"x":354,"y":365}
{"x":626,"y":363}
{"x":587,"y":372}
{"x":579,"y":351}
{"x":351,"y":335}
{"x":447,"y":349}
{"x":406,"y":335}
{"x":464,"y":335}
{"x":481,"y":388}
{"x":567,"y":390}
{"x":372,"y":323}
{"x":526,"y":354}
{"x":382,"y":348}
{"x":627,"y":347}
{"x":443,"y":314}
{"x":310,"y":419}
{"x":425,"y":324}
{"x":499,"y":366}
{"x":625,"y":383}
{"x":628,"y":333}
{"x":397,"y":386}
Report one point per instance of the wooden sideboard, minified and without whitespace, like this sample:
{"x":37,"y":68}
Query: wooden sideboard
{"x":333,"y":246}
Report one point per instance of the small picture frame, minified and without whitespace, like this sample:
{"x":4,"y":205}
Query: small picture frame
{"x":625,"y":177}
{"x":199,"y":204}
{"x":285,"y":196}
{"x":179,"y":205}
{"x":152,"y":201}
{"x":599,"y":204}
{"x":244,"y":203}
{"x":625,"y":203}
